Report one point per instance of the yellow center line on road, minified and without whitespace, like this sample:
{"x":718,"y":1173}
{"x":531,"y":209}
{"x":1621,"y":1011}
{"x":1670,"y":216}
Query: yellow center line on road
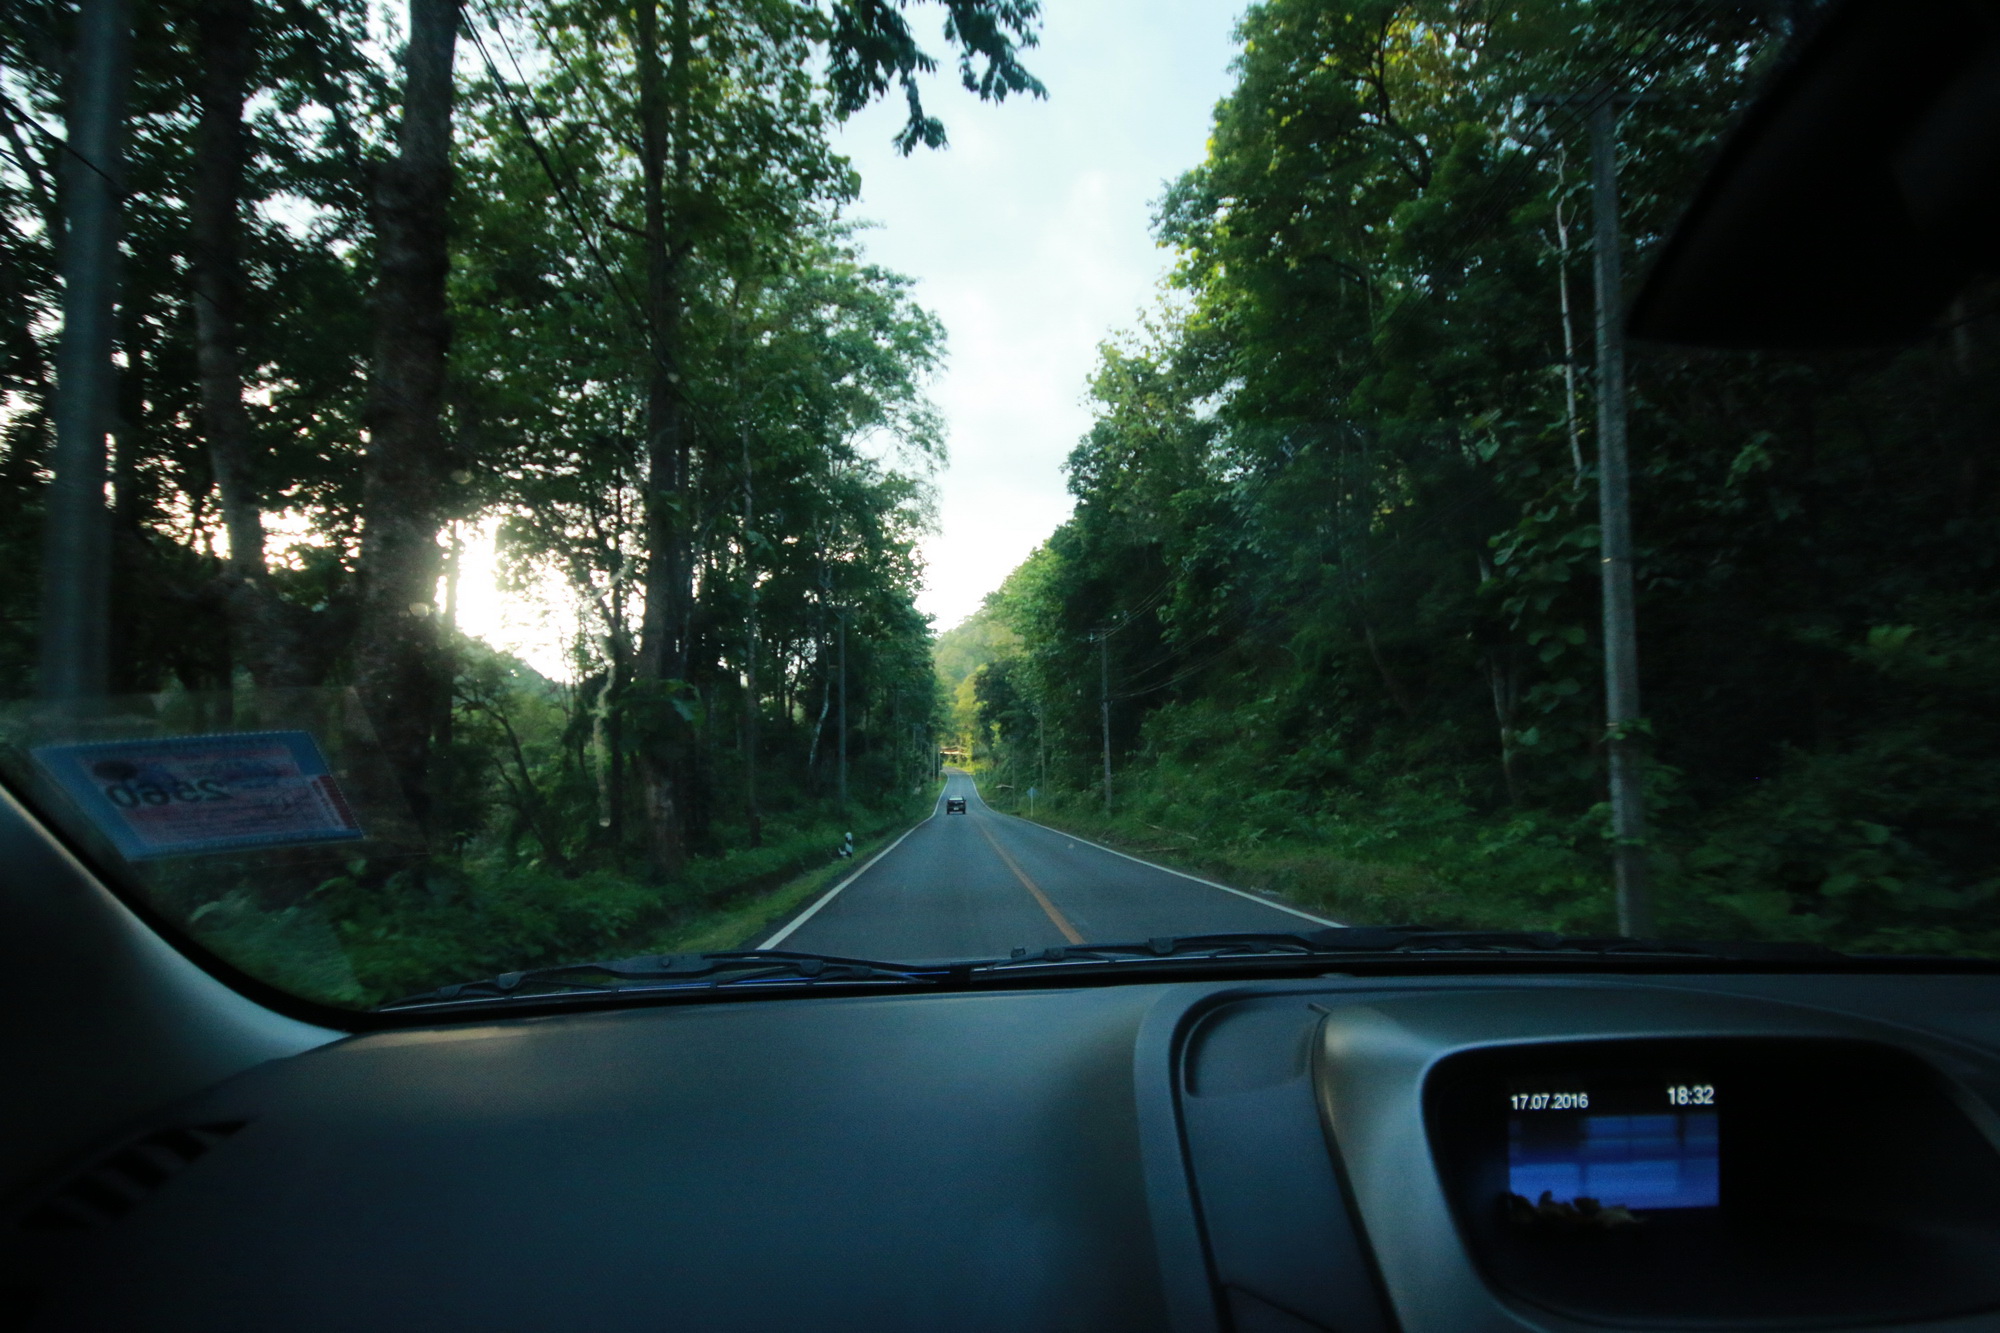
{"x":1055,"y":914}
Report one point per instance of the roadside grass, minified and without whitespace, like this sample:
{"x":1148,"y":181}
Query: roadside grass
{"x":746,"y":924}
{"x":355,"y":943}
{"x":1425,"y":863}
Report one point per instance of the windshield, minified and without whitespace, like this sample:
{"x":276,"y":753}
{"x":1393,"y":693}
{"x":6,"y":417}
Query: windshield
{"x":499,"y":486}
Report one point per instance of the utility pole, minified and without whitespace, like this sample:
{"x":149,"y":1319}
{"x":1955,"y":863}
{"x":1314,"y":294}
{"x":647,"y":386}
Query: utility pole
{"x":1614,"y":516}
{"x":1104,"y":706}
{"x":1614,"y":503}
{"x":76,"y":539}
{"x":841,"y":787}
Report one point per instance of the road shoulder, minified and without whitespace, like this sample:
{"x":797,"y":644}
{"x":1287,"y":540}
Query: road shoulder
{"x":1261,"y":899}
{"x":774,"y":931}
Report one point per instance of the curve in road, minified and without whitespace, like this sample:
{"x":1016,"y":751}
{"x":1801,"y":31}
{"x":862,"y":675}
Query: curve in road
{"x":981,"y":884}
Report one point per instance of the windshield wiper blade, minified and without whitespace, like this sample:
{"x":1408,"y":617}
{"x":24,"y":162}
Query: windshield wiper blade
{"x":776,"y":968}
{"x":1429,"y":939}
{"x":731,"y":967}
{"x":1405,"y":940}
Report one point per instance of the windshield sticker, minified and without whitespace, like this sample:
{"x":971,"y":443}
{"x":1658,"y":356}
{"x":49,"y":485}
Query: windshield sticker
{"x":179,"y":795}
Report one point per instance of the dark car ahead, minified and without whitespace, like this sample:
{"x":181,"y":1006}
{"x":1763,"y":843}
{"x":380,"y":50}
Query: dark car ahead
{"x":954,"y":805}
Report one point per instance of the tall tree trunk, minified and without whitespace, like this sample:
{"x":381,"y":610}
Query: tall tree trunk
{"x":752,"y":711}
{"x":447,"y":672}
{"x":395,"y":658}
{"x":129,"y":563}
{"x":76,"y":529}
{"x":1569,"y":327}
{"x":621,"y":671}
{"x":223,"y":29}
{"x":1503,"y":679}
{"x":662,"y":650}
{"x":605,"y":755}
{"x":267,"y":638}
{"x":819,"y":723}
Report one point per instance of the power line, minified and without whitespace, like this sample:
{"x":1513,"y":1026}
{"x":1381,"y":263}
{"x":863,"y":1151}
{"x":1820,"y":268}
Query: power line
{"x":1484,"y":216}
{"x":611,"y":276}
{"x":614,"y":277}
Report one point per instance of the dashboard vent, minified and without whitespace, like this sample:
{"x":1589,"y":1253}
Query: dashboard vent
{"x":114,"y":1185}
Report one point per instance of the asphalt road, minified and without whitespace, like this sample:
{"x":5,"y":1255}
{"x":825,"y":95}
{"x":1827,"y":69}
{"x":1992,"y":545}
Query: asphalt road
{"x":981,"y":884}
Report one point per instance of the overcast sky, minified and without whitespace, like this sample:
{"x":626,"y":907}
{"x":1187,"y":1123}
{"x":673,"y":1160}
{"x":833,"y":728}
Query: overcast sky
{"x":1029,"y":238}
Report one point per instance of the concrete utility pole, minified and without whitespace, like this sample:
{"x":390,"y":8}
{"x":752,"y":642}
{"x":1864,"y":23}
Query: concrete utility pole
{"x":1614,"y":513}
{"x":76,"y":540}
{"x":1614,"y":503}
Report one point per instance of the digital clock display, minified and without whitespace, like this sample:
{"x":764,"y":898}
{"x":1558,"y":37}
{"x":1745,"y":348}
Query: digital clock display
{"x":1633,"y":1143}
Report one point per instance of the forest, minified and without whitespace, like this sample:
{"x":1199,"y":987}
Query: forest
{"x":1326,"y":618}
{"x":580,"y":277}
{"x":584,"y":282}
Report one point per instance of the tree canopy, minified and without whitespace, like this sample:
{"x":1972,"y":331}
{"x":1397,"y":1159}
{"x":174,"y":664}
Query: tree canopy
{"x":1336,"y":526}
{"x":575,"y":274}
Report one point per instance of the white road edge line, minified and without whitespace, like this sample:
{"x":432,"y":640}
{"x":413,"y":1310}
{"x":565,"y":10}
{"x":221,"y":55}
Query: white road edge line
{"x":1253,"y":897}
{"x":831,"y":893}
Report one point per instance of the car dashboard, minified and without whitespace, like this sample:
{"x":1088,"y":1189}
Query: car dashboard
{"x":1340,"y":1153}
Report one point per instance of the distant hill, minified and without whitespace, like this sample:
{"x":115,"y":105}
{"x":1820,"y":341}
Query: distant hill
{"x":978,"y":639}
{"x":983,"y":639}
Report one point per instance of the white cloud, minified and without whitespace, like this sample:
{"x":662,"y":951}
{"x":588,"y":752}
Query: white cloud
{"x":1030,"y":239}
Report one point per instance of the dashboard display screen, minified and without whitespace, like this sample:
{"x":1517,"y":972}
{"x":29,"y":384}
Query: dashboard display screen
{"x":1634,"y":1143}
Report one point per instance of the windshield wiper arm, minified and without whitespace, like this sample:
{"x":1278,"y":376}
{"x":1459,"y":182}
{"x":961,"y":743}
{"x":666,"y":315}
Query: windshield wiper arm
{"x":730,"y":967}
{"x":755,"y":967}
{"x":1406,"y":940}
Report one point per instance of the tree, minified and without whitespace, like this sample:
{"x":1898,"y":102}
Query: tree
{"x":371,"y":311}
{"x":1329,"y":512}
{"x":395,"y":654}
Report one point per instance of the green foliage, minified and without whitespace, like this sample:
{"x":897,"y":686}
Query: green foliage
{"x":802,"y":371}
{"x":292,"y":947}
{"x":1214,"y":795}
{"x":361,"y":938}
{"x":1338,"y":561}
{"x":1887,"y":842}
{"x":962,"y":650}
